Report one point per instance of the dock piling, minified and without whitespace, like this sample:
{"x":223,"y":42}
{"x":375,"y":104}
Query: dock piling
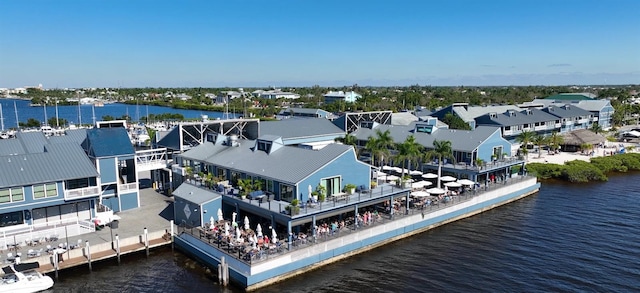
{"x":171,"y":234}
{"x":88,"y":251}
{"x":118,"y":247}
{"x":146,"y":241}
{"x":55,"y":263}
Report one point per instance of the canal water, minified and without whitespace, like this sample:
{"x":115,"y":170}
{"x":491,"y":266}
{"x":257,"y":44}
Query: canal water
{"x":566,"y":238}
{"x":85,"y":113}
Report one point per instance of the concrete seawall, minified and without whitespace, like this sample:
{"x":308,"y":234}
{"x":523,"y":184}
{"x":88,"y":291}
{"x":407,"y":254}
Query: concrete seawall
{"x":300,"y":261}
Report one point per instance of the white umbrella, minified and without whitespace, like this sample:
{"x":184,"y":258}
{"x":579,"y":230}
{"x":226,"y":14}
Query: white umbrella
{"x":466,"y":182}
{"x":226,"y":229}
{"x":420,"y":184}
{"x":452,"y":184}
{"x":233,"y":217}
{"x":310,"y":190}
{"x":420,"y":193}
{"x":447,"y":178}
{"x":429,"y":176}
{"x":259,"y":230}
{"x":220,"y":218}
{"x":415,"y":172}
{"x":387,"y":168}
{"x":379,"y":173}
{"x":383,"y":177}
{"x":238,"y":234}
{"x":246,"y":223}
{"x":274,"y":236}
{"x":212,"y":222}
{"x":435,"y":190}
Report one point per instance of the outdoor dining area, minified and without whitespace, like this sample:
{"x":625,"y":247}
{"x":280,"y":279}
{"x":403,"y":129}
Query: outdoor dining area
{"x":248,"y":243}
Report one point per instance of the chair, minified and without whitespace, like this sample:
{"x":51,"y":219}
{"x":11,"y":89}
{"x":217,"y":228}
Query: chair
{"x":79,"y":243}
{"x":31,"y":253}
{"x":49,"y":249}
{"x":10,"y":257}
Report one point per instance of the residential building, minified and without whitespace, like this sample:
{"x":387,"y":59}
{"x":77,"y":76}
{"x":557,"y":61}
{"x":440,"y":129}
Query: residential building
{"x":349,"y":97}
{"x":601,"y":109}
{"x":275,"y":94}
{"x":513,"y":123}
{"x":305,"y":112}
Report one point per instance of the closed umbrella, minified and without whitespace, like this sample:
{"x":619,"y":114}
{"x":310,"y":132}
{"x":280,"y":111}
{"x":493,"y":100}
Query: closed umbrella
{"x":233,"y":217}
{"x":274,"y":236}
{"x":246,"y":223}
{"x":238,"y":234}
{"x":220,"y":215}
{"x":212,"y":222}
{"x":226,"y":229}
{"x":259,"y":230}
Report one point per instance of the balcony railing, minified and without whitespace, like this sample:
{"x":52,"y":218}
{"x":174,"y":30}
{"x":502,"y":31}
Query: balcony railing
{"x":179,"y":170}
{"x":82,"y":192}
{"x":128,"y":186}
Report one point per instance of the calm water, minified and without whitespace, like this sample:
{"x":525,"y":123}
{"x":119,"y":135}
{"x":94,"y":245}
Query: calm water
{"x":71,"y":114}
{"x":567,"y":238}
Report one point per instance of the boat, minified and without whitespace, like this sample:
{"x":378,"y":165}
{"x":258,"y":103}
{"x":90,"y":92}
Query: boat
{"x":23,"y":278}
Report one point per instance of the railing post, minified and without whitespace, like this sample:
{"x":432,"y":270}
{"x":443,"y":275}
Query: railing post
{"x":88,"y":251}
{"x":146,"y":240}
{"x":118,"y":247}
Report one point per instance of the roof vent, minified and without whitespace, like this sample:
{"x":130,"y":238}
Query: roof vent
{"x":233,"y":140}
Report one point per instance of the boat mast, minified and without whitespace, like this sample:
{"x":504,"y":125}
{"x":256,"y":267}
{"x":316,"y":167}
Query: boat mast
{"x":15,"y":108}
{"x":44,"y":105}
{"x":93,"y":112}
{"x":57,"y":119}
{"x":1,"y":118}
{"x":79,"y":112}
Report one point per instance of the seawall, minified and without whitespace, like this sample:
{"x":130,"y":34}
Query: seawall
{"x":300,"y":261}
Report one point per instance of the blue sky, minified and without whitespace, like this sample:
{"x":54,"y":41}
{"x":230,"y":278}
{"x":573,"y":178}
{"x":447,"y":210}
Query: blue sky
{"x":330,"y":43}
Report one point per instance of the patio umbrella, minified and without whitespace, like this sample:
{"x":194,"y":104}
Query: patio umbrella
{"x":415,"y":172}
{"x":392,"y":177}
{"x":226,"y":229}
{"x":274,"y":236}
{"x":429,"y":176}
{"x":246,"y":223}
{"x":259,"y":230}
{"x":387,"y":168}
{"x":447,"y":178}
{"x":233,"y":217}
{"x":452,"y":184}
{"x":238,"y":234}
{"x":220,"y":218}
{"x":466,"y":182}
{"x":420,"y":184}
{"x":420,"y":193}
{"x":212,"y":222}
{"x":436,"y":190}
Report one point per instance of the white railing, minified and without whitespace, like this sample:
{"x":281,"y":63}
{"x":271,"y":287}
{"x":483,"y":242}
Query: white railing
{"x":128,"y":186}
{"x":82,"y":192}
{"x":582,"y":121}
{"x":177,"y":169}
{"x":567,"y":123}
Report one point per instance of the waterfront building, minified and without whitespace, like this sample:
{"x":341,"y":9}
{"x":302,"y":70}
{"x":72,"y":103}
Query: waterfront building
{"x":305,"y":112}
{"x":307,"y":133}
{"x":275,"y":94}
{"x":513,"y":123}
{"x":601,"y":109}
{"x":349,"y":97}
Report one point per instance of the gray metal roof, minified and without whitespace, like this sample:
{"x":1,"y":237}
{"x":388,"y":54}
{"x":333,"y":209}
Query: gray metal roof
{"x":300,"y":128}
{"x":11,"y":147}
{"x":566,"y":111}
{"x":268,"y":137}
{"x":472,"y":112}
{"x":403,"y":118}
{"x":59,"y":162}
{"x":70,"y":136}
{"x":195,"y":194}
{"x":33,"y":141}
{"x":287,"y":164}
{"x":527,"y":116}
{"x":461,"y":140}
{"x":588,"y":105}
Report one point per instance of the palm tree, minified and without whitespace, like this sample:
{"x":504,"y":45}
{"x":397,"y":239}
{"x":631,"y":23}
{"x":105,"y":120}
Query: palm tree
{"x":525,"y":138}
{"x":349,"y":139}
{"x":556,"y":140}
{"x":385,"y":143}
{"x":372,"y":147}
{"x":441,"y":150}
{"x":595,"y":127}
{"x":409,"y":151}
{"x":539,"y":140}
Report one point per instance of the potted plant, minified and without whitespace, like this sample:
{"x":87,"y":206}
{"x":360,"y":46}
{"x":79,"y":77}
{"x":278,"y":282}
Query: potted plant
{"x":350,"y":188}
{"x":322,"y":192}
{"x":315,"y":194}
{"x":246,"y":187}
{"x":479,"y":163}
{"x":374,"y":184}
{"x":293,"y":208}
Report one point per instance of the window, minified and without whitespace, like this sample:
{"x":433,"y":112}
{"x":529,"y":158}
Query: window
{"x":264,"y":146}
{"x":11,"y":195}
{"x":10,"y":219}
{"x":507,"y":128}
{"x":46,"y":190}
{"x":270,"y":185}
{"x":286,"y":192}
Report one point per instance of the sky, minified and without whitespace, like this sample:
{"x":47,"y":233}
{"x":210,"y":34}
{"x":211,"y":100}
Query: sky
{"x":282,"y":43}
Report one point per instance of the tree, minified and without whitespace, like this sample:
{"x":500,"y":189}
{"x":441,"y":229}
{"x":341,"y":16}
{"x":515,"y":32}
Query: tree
{"x":455,"y":122}
{"x":385,"y":143}
{"x":441,"y":150}
{"x":53,"y":121}
{"x":30,"y":123}
{"x":525,"y":138}
{"x":595,"y":127}
{"x":539,"y":140}
{"x":556,"y":140}
{"x":409,"y":151}
{"x":349,"y":139}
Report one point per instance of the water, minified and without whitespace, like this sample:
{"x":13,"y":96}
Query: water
{"x":70,"y":113}
{"x":567,"y":238}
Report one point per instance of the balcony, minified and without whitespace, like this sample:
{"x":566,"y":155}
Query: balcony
{"x":128,"y":187}
{"x":567,"y":123}
{"x":90,"y":191}
{"x":583,"y":121}
{"x":178,"y":170}
{"x":594,"y":119}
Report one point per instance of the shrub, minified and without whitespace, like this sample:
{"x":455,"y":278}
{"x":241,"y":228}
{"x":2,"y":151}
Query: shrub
{"x":580,"y":171}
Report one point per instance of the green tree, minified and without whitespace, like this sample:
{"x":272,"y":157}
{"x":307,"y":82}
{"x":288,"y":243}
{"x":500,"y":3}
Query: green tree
{"x":524,"y":139}
{"x":455,"y":122}
{"x":30,"y":123}
{"x":349,"y":139}
{"x":56,"y":122}
{"x":539,"y":140}
{"x":385,"y":143}
{"x":596,"y":128}
{"x":556,"y":140}
{"x":441,"y":150}
{"x":409,"y":151}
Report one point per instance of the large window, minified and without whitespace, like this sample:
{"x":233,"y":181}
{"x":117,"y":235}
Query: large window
{"x":332,"y":185}
{"x":11,"y":195}
{"x":45,"y":190}
{"x":10,"y":219}
{"x":286,"y":192}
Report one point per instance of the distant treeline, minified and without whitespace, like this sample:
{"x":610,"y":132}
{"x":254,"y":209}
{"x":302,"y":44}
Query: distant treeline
{"x":581,"y":171}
